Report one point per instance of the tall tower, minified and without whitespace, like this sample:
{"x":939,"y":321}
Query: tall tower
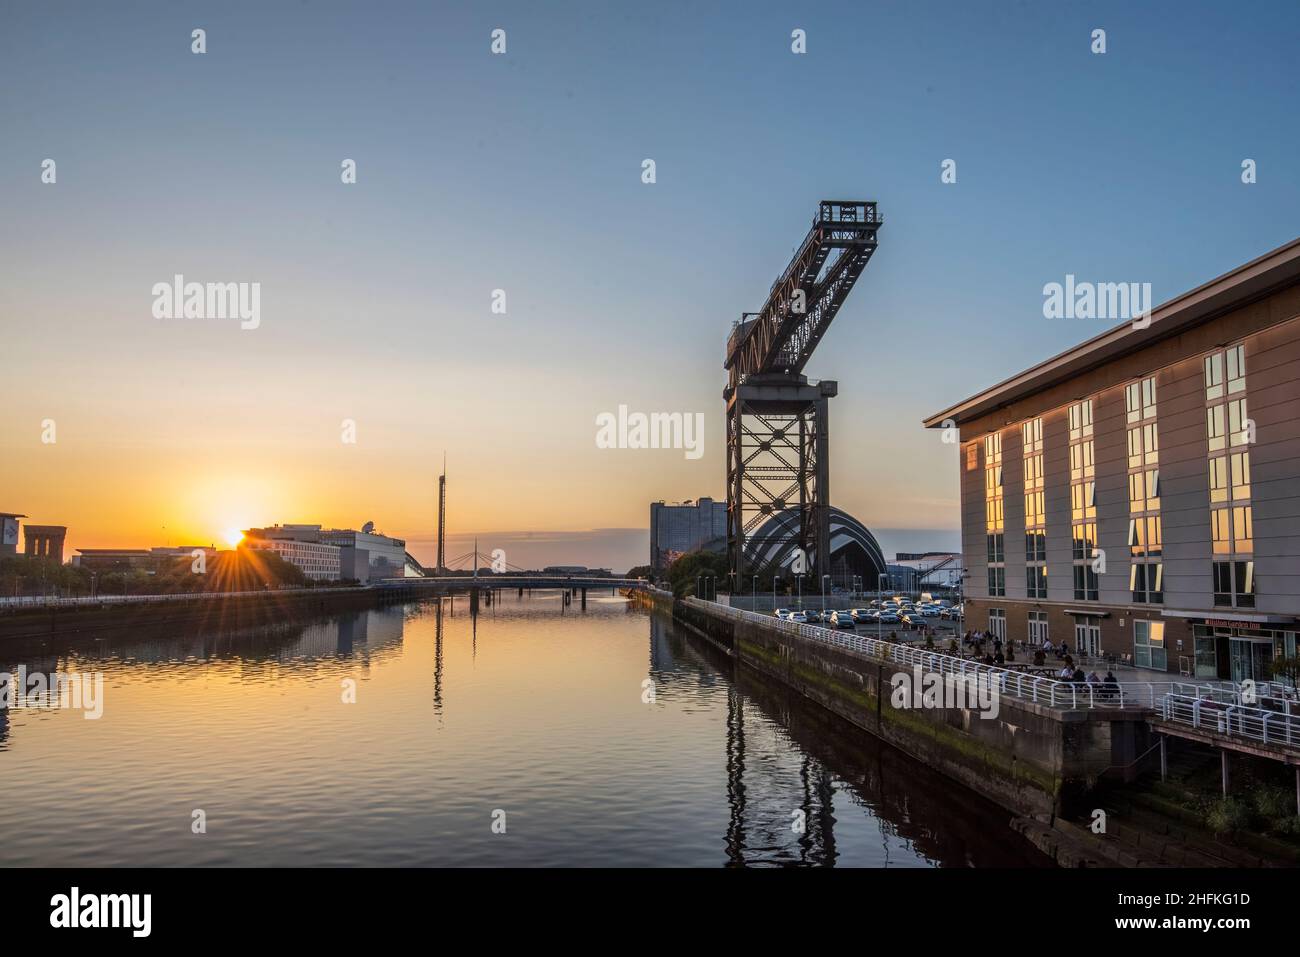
{"x":778,"y":443}
{"x":442,"y":517}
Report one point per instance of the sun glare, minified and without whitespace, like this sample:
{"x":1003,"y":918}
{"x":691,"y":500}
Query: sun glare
{"x":233,"y":537}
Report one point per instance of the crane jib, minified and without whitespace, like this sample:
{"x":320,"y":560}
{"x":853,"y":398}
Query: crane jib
{"x":804,"y":300}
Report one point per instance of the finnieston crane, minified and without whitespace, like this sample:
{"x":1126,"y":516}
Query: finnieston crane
{"x":778,"y":443}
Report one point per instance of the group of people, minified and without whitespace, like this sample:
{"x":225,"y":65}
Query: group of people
{"x":1002,"y":652}
{"x":999,"y":653}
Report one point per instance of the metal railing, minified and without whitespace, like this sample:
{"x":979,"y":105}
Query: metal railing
{"x":1143,"y":695}
{"x":23,"y":603}
{"x":1232,"y":720}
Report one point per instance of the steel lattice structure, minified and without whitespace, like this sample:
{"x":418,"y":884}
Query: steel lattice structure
{"x":778,"y":445}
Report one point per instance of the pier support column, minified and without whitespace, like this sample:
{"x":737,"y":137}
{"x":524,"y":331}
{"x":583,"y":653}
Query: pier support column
{"x":1164,"y":765}
{"x":584,"y":598}
{"x":1223,"y":763}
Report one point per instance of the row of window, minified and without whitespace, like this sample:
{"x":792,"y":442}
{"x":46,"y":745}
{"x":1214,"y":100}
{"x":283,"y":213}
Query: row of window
{"x":1148,"y":636}
{"x":1227,"y":429}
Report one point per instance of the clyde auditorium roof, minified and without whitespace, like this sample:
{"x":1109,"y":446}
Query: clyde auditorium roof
{"x":847,"y":533}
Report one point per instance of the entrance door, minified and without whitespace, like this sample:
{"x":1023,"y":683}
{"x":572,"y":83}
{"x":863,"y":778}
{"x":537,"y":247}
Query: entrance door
{"x":1250,"y":659}
{"x":1087,"y":637}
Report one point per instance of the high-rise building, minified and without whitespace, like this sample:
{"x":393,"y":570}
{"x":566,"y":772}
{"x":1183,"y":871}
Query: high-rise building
{"x":685,"y":527}
{"x":1139,"y":494}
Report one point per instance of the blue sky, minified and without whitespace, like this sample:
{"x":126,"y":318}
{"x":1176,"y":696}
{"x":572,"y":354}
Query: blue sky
{"x":522,"y":172}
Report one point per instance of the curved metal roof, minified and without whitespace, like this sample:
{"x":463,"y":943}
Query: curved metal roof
{"x":773,"y":537}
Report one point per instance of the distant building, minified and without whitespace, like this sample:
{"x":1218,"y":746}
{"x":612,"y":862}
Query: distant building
{"x":576,"y":570}
{"x":144,"y":559}
{"x":375,"y":555}
{"x":363,"y":555}
{"x":856,"y":559}
{"x":929,"y":570}
{"x":317,"y":560}
{"x":44,"y":541}
{"x":113,"y":559}
{"x":9,"y":533}
{"x":678,"y":528}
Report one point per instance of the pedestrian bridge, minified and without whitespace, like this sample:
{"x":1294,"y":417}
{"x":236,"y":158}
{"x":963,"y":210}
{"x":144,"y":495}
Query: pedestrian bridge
{"x":449,"y":583}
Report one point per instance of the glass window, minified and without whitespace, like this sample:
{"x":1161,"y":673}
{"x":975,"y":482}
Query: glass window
{"x":1240,"y":475}
{"x":1150,"y":444}
{"x":1223,"y":583}
{"x":1148,"y":397}
{"x":1154,"y":541}
{"x":1219,"y":479}
{"x":1236,"y":362}
{"x":1237,"y":422}
{"x":1149,"y":645}
{"x":1243,"y":537}
{"x":1214,"y":376}
{"x":1221,"y":531}
{"x":1153,"y":489}
{"x":1215,"y":428}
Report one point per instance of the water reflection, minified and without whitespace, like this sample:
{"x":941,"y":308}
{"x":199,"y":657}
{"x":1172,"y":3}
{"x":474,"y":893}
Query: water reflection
{"x":529,"y":705}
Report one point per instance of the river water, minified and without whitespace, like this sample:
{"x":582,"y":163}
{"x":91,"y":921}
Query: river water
{"x":531,"y":734}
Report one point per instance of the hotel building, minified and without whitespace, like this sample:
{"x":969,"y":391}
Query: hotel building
{"x":1139,"y":494}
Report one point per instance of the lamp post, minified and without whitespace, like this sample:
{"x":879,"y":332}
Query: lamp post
{"x":773,"y":593}
{"x":753,"y":600}
{"x":824,"y":577}
{"x":880,"y":591}
{"x":799,"y":589}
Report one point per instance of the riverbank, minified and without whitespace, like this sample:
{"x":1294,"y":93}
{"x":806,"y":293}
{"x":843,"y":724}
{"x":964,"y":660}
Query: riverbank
{"x":1055,"y":771}
{"x":242,"y":610}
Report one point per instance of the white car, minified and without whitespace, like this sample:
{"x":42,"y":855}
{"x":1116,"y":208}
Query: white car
{"x":798,"y":617}
{"x":782,"y":613}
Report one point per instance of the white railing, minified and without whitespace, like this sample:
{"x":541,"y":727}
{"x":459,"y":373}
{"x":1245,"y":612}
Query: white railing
{"x":1144,"y":695}
{"x":1232,"y":720}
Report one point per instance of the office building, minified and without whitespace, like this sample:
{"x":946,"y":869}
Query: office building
{"x":1139,"y":494}
{"x":678,"y":528}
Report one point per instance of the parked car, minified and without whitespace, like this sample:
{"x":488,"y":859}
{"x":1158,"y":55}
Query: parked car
{"x":888,"y":618}
{"x":782,"y":613}
{"x":798,"y":617}
{"x":842,"y":619}
{"x":861,"y":614}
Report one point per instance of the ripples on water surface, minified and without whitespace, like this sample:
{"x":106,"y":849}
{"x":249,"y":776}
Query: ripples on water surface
{"x":533,"y":708}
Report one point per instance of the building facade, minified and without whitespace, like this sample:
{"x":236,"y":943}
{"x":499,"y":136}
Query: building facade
{"x":363,"y":555}
{"x":678,"y":528}
{"x":1139,"y":495}
{"x":44,"y":542}
{"x":317,"y":560}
